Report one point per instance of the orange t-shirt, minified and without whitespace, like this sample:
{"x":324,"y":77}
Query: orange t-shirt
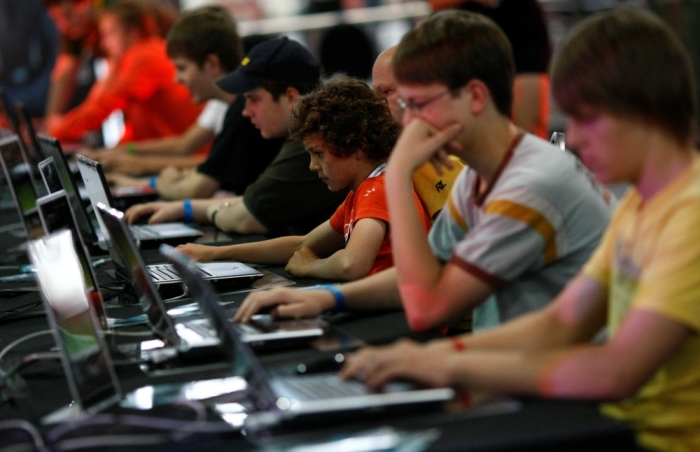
{"x":370,"y":202}
{"x":143,"y":87}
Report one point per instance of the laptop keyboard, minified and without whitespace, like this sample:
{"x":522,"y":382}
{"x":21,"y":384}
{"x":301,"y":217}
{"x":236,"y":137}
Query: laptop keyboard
{"x":166,"y":272}
{"x":142,"y":232}
{"x":320,"y":387}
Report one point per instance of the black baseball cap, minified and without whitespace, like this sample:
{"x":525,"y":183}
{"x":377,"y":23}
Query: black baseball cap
{"x":274,"y":60}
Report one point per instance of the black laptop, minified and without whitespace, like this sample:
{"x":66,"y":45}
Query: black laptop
{"x":20,"y":180}
{"x":148,"y":236}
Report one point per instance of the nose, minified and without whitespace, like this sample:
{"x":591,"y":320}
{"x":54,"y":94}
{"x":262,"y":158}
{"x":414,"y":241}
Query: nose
{"x":246,"y":110}
{"x":313,"y":164}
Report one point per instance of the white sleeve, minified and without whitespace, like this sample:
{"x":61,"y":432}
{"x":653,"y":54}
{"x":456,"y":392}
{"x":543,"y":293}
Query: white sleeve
{"x":212,"y":116}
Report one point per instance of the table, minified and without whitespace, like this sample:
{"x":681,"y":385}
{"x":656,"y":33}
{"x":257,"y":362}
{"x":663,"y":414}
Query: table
{"x":539,"y":425}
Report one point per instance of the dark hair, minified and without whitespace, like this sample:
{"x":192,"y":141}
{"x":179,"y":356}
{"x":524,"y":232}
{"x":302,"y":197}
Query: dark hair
{"x":348,"y":116}
{"x":627,"y":62}
{"x":277,"y":88}
{"x":135,"y":15}
{"x":454,"y":47}
{"x":206,"y":31}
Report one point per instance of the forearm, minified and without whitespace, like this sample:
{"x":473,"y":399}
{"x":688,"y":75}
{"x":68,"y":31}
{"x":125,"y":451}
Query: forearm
{"x":154,"y":164}
{"x":62,"y":84}
{"x":339,"y":266}
{"x":376,"y":292}
{"x":275,"y":251}
{"x":191,"y":185}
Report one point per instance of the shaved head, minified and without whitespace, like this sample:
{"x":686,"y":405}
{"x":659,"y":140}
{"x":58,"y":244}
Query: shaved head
{"x":384,"y":82}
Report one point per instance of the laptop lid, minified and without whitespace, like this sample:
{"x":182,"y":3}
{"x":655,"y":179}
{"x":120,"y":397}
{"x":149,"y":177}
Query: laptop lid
{"x":56,"y":214}
{"x":128,"y":261}
{"x":59,"y":168}
{"x":28,"y":133}
{"x":18,"y":176}
{"x":240,"y":353}
{"x":96,"y":186}
{"x":86,"y":360}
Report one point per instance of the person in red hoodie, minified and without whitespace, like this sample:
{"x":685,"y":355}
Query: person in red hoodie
{"x":140,"y":82}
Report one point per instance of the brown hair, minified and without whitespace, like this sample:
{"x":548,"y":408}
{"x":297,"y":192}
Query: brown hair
{"x":348,"y":116}
{"x":206,"y":31}
{"x":627,"y":62}
{"x":454,"y":47}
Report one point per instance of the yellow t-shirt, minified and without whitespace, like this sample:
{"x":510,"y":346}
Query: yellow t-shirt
{"x":432,"y":188}
{"x":650,"y":259}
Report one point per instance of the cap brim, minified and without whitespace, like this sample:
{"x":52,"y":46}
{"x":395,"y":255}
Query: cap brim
{"x":240,"y":81}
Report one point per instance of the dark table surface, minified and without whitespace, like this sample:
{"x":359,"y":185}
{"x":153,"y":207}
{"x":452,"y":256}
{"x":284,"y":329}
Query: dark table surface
{"x":537,"y":425}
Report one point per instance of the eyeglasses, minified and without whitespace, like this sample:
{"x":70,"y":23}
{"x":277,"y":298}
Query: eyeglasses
{"x":416,"y":107}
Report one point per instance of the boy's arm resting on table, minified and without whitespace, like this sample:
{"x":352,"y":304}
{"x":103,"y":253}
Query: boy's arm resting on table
{"x":343,"y":263}
{"x":190,"y":141}
{"x":375,"y":292}
{"x":544,"y":353}
{"x":174,"y":184}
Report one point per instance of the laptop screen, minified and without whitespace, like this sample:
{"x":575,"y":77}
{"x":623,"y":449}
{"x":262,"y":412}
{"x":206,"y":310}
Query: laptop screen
{"x":49,"y":173}
{"x":52,"y":149}
{"x":245,"y":363}
{"x":85,"y":358}
{"x":56,"y":214}
{"x":127,"y":258}
{"x":19,"y":180}
{"x":96,"y":186}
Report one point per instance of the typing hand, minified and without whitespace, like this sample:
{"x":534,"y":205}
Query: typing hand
{"x":298,"y":264}
{"x":287,"y":303}
{"x":160,"y":212}
{"x":427,"y":365}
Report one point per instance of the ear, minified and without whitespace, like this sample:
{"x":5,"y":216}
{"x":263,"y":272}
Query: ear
{"x":292,"y":94}
{"x":212,"y":63}
{"x":480,"y":95}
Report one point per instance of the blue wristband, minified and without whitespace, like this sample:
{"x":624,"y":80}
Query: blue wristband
{"x":337,"y":294}
{"x":188,"y":216}
{"x":152,"y":181}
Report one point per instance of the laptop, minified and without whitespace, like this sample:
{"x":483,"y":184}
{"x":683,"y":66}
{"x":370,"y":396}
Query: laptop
{"x":122,"y":247}
{"x":294,"y":397}
{"x":192,"y":332}
{"x":86,"y":361}
{"x":56,"y":165}
{"x":28,"y":133}
{"x":147,"y":235}
{"x":56,"y":213}
{"x":21,"y":182}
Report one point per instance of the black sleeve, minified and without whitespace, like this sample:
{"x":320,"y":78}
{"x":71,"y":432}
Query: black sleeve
{"x":239,"y":154}
{"x":523,"y":23}
{"x":289,"y":198}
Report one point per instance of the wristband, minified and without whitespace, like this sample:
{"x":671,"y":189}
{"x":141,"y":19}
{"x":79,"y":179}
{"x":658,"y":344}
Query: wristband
{"x":152,"y":182}
{"x":131,"y":149}
{"x":188,"y":217}
{"x":457,"y":345}
{"x":337,"y":295}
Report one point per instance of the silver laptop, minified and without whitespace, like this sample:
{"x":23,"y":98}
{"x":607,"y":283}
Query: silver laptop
{"x":20,"y":180}
{"x":224,"y":275}
{"x":56,"y":213}
{"x":57,"y":175}
{"x":86,"y":361}
{"x":296,"y":396}
{"x":147,"y":235}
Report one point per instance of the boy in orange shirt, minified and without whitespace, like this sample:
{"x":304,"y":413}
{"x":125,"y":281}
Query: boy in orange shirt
{"x":349,"y":132}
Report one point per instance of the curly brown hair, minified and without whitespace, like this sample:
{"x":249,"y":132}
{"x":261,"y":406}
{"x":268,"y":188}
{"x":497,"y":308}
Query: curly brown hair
{"x":348,"y":116}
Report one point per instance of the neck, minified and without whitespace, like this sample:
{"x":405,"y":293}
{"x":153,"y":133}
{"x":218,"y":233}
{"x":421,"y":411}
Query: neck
{"x":487,"y":146}
{"x":366,"y":170}
{"x":665,"y":161}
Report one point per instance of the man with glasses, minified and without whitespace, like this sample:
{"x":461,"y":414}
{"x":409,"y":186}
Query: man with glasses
{"x":519,"y":222}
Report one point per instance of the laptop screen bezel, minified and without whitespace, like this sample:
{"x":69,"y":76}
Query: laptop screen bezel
{"x":93,"y":401}
{"x":153,"y":306}
{"x":29,"y":216}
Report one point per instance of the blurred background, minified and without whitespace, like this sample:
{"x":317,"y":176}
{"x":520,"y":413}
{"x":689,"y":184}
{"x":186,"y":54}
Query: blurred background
{"x":346,"y":35}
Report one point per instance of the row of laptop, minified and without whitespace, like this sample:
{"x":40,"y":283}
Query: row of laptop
{"x":86,"y":359}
